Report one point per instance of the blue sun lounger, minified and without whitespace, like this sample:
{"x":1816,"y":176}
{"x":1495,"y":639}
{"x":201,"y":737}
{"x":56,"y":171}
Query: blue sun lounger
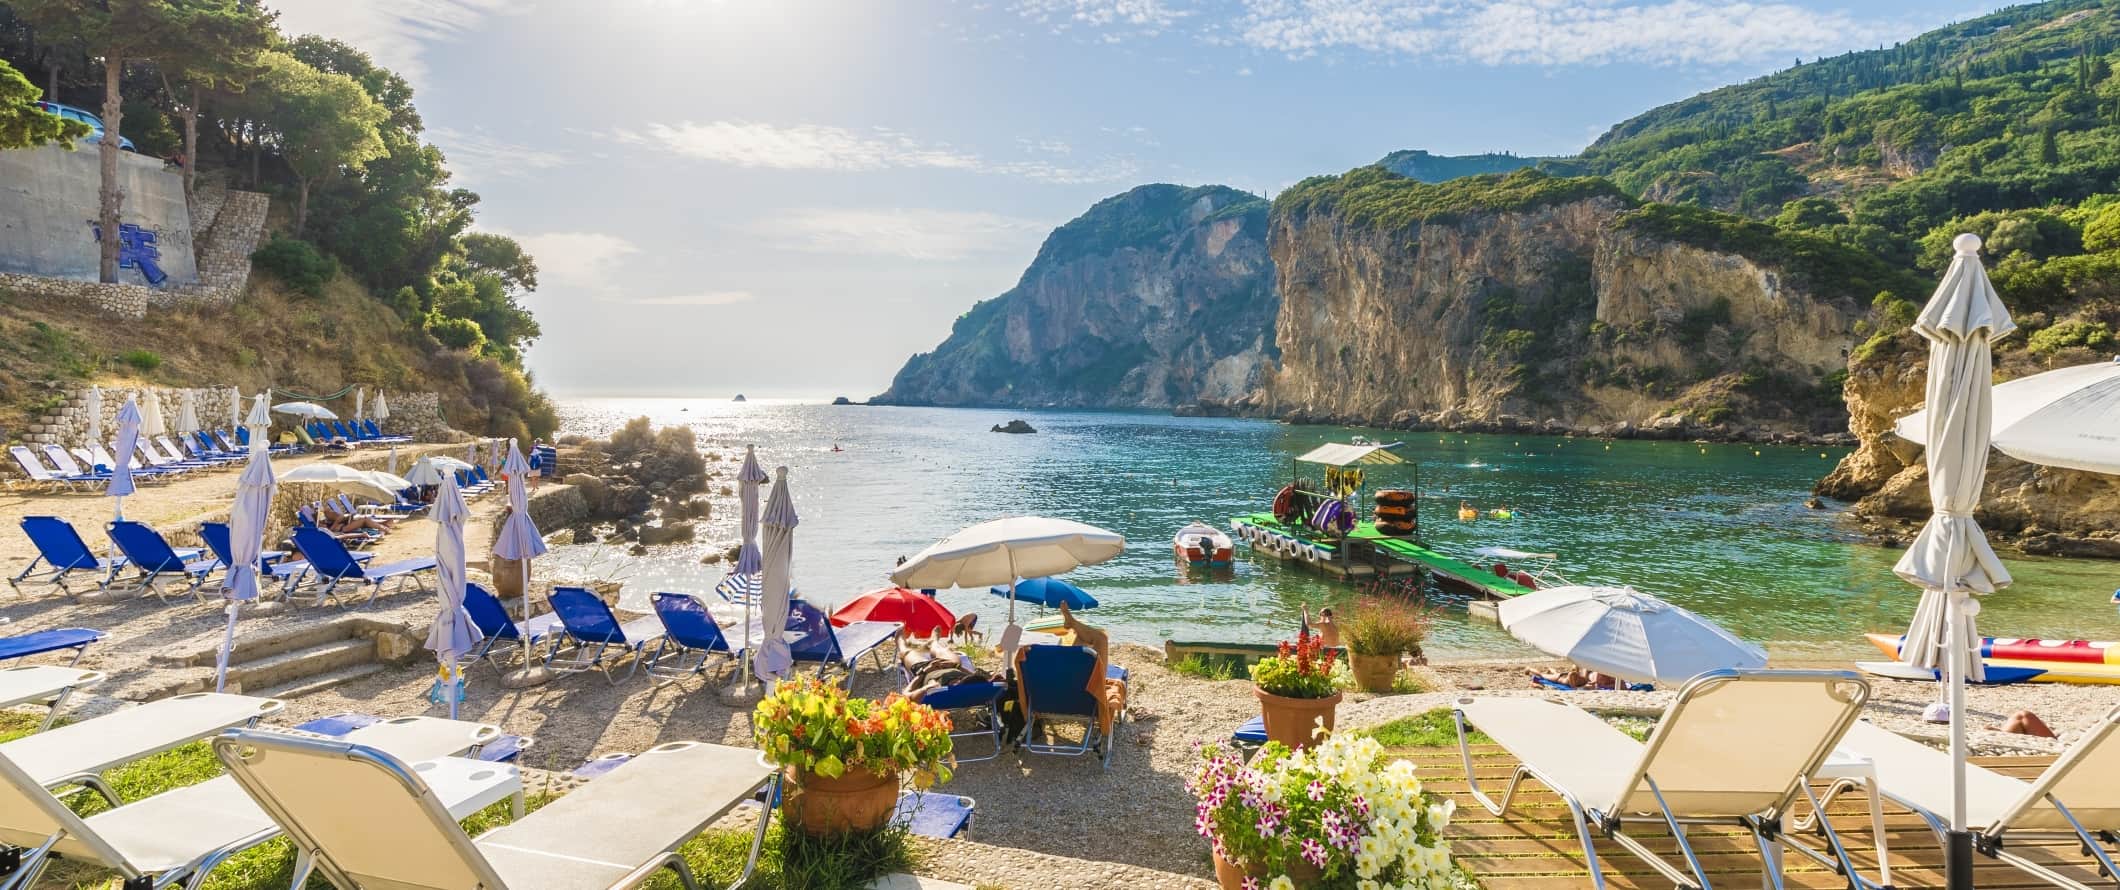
{"x":1054,"y":684}
{"x":148,"y":554}
{"x":54,"y":640}
{"x":688,"y":629}
{"x":591,"y":632}
{"x":931,"y":814}
{"x":827,"y":646}
{"x":502,"y":631}
{"x":334,"y":568}
{"x":975,"y":713}
{"x":61,"y":552}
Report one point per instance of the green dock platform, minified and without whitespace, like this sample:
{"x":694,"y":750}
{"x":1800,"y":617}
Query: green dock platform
{"x":1402,"y":555}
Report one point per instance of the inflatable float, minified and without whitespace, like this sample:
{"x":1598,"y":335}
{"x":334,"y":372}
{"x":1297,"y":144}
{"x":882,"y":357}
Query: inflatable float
{"x":2012,"y":660}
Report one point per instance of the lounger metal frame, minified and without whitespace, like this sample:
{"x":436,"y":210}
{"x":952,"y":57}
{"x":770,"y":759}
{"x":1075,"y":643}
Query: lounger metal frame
{"x":589,"y":653}
{"x":1992,"y":841}
{"x":1766,"y":830}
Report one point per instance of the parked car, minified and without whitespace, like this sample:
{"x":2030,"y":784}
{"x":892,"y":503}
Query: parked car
{"x":95,"y":124}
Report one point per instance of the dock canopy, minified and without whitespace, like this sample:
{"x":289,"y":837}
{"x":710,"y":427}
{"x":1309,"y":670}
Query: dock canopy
{"x":1341,"y":454}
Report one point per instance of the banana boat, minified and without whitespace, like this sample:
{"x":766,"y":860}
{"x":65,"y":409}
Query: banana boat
{"x":2013,"y":660}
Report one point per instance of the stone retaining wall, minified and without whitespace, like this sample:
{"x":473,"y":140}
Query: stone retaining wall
{"x":419,"y":415}
{"x":223,"y":258}
{"x":68,"y":425}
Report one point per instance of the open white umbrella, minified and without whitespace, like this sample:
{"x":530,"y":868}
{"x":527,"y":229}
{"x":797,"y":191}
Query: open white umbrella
{"x":426,"y":471}
{"x":95,"y":415}
{"x":340,"y":477}
{"x":246,"y":541}
{"x":774,"y":657}
{"x":1950,"y":559}
{"x":1626,"y":633}
{"x":391,"y":481}
{"x":2067,"y":417}
{"x":308,"y":410}
{"x":519,"y":539}
{"x":1001,"y":551}
{"x":382,"y":406}
{"x":188,"y":412}
{"x":452,"y":634}
{"x":152,"y":423}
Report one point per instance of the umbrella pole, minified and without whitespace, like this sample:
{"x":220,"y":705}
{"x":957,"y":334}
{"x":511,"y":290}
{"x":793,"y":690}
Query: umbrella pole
{"x":228,"y":646}
{"x":1958,"y":842}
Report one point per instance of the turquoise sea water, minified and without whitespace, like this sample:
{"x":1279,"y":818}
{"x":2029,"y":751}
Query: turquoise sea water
{"x":1720,"y":529}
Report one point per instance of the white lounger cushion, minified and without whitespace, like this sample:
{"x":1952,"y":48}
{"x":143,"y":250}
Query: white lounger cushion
{"x":37,"y":682}
{"x":93,"y":746}
{"x":1582,"y":754}
{"x":2086,"y":779}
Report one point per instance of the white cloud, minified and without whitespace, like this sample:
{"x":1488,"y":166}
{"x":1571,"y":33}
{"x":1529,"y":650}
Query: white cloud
{"x":914,"y":234}
{"x":757,"y":145}
{"x":395,"y":32}
{"x":1545,"y":32}
{"x":579,"y":260}
{"x":475,"y":156}
{"x":1147,"y":15}
{"x":707,"y":298}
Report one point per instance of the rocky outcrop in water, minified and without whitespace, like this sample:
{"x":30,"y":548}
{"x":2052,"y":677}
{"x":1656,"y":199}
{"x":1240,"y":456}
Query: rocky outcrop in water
{"x":1018,"y":427}
{"x":1157,"y":297}
{"x":1488,"y":309}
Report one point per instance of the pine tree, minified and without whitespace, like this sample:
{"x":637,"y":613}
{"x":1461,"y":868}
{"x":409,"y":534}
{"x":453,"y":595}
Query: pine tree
{"x":2049,"y":147}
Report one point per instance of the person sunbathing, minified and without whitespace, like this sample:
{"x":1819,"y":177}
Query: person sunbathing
{"x":1574,"y":678}
{"x":943,"y":667}
{"x":339,"y":523}
{"x":1110,"y":692}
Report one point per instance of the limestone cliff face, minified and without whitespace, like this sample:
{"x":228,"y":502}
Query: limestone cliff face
{"x":1555,"y":316}
{"x":1160,"y":296}
{"x":2040,"y":509}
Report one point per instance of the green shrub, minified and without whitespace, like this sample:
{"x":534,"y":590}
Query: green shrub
{"x":299,"y":264}
{"x":1202,"y":667}
{"x":142,"y":360}
{"x":457,"y":333}
{"x":1894,"y":313}
{"x":1374,"y":197}
{"x":2069,"y":334}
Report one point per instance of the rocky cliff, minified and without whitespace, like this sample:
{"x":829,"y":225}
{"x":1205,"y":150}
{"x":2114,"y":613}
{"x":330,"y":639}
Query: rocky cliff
{"x":1528,"y":300}
{"x":1156,"y":297}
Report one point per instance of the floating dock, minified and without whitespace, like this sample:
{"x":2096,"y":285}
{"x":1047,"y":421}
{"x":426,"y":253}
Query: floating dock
{"x":1368,"y":555}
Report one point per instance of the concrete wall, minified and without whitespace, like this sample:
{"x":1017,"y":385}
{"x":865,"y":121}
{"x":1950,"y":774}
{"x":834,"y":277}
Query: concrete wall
{"x":48,"y":198}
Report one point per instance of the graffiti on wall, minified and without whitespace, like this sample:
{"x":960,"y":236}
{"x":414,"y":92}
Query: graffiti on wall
{"x":136,"y":250}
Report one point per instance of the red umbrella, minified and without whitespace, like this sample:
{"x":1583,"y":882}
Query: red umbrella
{"x":920,"y":613}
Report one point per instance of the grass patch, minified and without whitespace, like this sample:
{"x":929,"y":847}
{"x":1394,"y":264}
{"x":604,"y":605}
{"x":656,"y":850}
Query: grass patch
{"x":1430,"y":729}
{"x":1205,"y":667}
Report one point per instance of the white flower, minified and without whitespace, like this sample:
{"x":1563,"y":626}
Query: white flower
{"x":1281,"y":882}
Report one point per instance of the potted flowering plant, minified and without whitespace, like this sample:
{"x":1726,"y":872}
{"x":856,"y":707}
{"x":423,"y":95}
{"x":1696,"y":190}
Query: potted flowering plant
{"x":1336,"y":816}
{"x":1377,"y":634}
{"x":1296,"y":690}
{"x":843,"y":757}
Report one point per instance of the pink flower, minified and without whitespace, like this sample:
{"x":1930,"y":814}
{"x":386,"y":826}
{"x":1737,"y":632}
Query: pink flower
{"x":1316,"y":790}
{"x":1269,"y":825}
{"x":1361,"y":805}
{"x":1203,"y":825}
{"x":1251,"y":883}
{"x":1314,"y":851}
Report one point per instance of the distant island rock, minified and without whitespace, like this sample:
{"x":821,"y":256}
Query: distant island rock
{"x":842,"y":400}
{"x":1014,"y":426}
{"x":739,"y":398}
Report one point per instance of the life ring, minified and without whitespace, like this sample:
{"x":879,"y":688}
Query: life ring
{"x":1284,"y":500}
{"x":1468,"y":514}
{"x":1501,"y":514}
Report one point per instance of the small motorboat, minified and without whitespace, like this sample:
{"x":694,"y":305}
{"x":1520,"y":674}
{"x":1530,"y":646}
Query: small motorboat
{"x":1201,"y":544}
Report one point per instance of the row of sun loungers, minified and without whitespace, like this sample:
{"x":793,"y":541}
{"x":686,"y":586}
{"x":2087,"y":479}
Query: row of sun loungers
{"x":351,"y":433}
{"x":155,"y":458}
{"x":1742,"y":747}
{"x":321,"y":570}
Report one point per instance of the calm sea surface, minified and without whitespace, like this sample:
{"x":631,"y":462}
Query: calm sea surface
{"x":1720,"y":529}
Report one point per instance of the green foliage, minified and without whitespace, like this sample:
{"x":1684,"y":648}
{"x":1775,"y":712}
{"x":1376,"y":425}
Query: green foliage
{"x":1377,"y":626}
{"x":500,"y":256}
{"x":1893,"y":313}
{"x":1421,"y":165}
{"x":456,"y":333}
{"x":1810,"y":213}
{"x":296,"y":263}
{"x":1812,"y":261}
{"x":1303,"y":669}
{"x":1428,"y":729}
{"x":60,"y":348}
{"x":2071,"y":334}
{"x":144,"y":361}
{"x":2035,"y":234}
{"x":1372,"y":197}
{"x":1143,"y":216}
{"x":1203,"y":667}
{"x":22,"y":123}
{"x":2101,"y":232}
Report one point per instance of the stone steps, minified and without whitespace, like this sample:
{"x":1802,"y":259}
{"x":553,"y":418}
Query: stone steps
{"x":317,"y":682}
{"x":252,"y":644}
{"x":287,"y":668}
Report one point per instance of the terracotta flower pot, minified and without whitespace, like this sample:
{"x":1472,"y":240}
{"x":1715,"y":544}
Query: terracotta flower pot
{"x":1374,"y":673}
{"x":856,"y":801}
{"x":1291,"y":721}
{"x":1231,"y":875}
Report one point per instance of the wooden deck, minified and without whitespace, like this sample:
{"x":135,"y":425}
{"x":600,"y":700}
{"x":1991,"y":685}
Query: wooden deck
{"x":1534,"y":846}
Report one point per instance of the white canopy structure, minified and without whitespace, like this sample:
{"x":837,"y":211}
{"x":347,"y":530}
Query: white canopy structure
{"x":2067,"y":417}
{"x":1346,"y":454}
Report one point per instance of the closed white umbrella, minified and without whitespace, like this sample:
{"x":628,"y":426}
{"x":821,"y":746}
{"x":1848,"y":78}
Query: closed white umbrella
{"x":382,"y":405}
{"x":1950,"y":559}
{"x":259,"y":423}
{"x":393,"y":458}
{"x":1625,"y":633}
{"x":1001,"y":551}
{"x":308,"y":410}
{"x":360,"y":398}
{"x":152,"y":423}
{"x":774,"y":658}
{"x":188,"y":413}
{"x":519,"y":539}
{"x":2067,"y":417}
{"x":121,"y":480}
{"x":246,"y":541}
{"x":95,"y":415}
{"x":235,"y":407}
{"x":748,"y":478}
{"x":452,"y":634}
{"x":340,"y":477}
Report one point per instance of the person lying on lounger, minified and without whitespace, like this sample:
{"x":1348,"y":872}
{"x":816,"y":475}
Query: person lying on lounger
{"x":336,"y":522}
{"x":944,"y":666}
{"x":1575,"y":678}
{"x":1111,"y":691}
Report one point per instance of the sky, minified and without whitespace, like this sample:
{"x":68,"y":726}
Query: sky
{"x":788,"y":198}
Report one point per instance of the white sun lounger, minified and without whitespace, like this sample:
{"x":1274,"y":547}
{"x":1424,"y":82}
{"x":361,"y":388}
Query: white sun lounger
{"x":43,"y":683}
{"x":1734,"y":748}
{"x":182,"y":834}
{"x":371,"y":823}
{"x":78,"y":754}
{"x":2077,"y":798}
